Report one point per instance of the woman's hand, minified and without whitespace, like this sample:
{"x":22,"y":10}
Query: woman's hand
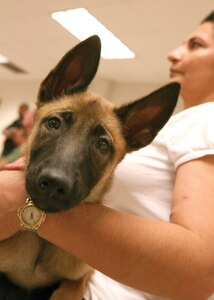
{"x":12,"y":196}
{"x":19,"y":164}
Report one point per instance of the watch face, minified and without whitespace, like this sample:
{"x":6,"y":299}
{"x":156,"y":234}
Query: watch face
{"x":30,"y":216}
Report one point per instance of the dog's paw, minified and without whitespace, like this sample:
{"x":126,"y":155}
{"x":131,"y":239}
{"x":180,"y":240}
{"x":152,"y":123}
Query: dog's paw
{"x":69,"y":290}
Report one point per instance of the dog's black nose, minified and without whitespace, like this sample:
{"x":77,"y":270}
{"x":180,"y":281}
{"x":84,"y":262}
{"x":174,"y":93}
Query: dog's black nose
{"x":54,"y":189}
{"x":50,"y":184}
{"x":53,"y":183}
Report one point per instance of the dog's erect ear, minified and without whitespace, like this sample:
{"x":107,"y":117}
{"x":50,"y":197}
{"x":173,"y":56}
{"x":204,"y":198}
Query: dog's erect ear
{"x":142,"y":119}
{"x":74,"y":72}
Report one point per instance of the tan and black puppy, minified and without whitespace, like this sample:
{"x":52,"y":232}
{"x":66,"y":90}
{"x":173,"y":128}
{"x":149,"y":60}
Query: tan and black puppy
{"x":76,"y":143}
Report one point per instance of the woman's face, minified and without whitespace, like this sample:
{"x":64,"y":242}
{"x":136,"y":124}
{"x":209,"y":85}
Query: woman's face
{"x":192,"y":64}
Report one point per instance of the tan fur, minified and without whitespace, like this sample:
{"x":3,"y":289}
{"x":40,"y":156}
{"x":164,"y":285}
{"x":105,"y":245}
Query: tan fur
{"x":72,"y":289}
{"x":36,"y":262}
{"x":93,"y":109}
{"x":26,"y":259}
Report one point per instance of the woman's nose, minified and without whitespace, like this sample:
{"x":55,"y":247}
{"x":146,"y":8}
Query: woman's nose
{"x":176,"y":54}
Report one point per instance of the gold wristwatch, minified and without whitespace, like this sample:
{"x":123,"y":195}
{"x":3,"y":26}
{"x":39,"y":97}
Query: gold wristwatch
{"x":31,"y":217}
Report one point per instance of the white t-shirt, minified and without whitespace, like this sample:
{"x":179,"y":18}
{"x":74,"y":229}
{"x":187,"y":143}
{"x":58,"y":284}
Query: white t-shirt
{"x":144,"y":181}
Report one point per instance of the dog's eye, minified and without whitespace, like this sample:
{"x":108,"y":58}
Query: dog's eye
{"x":53,"y":123}
{"x":103,"y":145}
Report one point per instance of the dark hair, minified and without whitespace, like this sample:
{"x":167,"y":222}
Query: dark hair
{"x":16,"y":124}
{"x":209,"y":18}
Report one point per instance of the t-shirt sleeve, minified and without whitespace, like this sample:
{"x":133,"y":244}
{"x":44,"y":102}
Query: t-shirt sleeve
{"x":191,"y":135}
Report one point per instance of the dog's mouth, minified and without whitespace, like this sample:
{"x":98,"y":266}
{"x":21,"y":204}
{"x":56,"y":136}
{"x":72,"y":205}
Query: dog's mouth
{"x":53,"y":191}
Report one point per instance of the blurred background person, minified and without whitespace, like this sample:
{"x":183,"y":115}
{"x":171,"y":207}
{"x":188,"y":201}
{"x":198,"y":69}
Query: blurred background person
{"x":18,"y":134}
{"x":9,"y":144}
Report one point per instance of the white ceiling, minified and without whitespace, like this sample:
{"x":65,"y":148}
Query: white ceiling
{"x":33,"y":41}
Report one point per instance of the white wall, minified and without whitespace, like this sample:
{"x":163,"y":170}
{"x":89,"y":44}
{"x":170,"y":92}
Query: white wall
{"x":126,"y":92}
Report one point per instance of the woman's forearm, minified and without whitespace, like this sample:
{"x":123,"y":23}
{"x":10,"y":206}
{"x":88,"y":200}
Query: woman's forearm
{"x":157,"y":257}
{"x":160,"y":258}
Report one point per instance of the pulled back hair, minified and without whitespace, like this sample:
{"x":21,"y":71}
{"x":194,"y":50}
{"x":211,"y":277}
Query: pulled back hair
{"x":209,"y":18}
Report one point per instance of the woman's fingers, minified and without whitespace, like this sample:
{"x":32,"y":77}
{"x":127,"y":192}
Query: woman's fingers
{"x":19,"y":164}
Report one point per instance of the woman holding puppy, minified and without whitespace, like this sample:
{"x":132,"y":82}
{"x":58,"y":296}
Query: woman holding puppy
{"x":156,"y":234}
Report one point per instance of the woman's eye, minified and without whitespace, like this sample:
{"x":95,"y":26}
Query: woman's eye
{"x":53,"y":123}
{"x":195,"y":45}
{"x":103,"y":145}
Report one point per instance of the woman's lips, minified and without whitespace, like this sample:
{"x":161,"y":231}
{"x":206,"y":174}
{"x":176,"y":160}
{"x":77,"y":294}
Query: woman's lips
{"x":174,"y":72}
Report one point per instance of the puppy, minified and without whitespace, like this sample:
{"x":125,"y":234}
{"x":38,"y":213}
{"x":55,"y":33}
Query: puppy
{"x":77,"y":141}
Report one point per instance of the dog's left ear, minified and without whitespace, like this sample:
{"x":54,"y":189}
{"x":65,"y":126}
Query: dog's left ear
{"x":142,"y":119}
{"x":74,"y":72}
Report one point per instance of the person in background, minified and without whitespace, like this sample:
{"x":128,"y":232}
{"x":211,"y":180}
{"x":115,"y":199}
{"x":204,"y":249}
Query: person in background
{"x":156,"y":233}
{"x":9,"y":144}
{"x":19,"y":135}
{"x":28,"y":119}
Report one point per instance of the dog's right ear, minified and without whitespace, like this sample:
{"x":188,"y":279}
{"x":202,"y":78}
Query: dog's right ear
{"x":143,"y":119}
{"x":74,"y":72}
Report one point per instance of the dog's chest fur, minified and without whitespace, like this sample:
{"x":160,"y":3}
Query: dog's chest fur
{"x":37,"y":263}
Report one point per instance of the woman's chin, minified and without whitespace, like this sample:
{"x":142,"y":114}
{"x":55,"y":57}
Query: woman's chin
{"x":175,"y":79}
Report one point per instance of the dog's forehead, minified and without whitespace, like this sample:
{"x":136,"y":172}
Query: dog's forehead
{"x":88,"y":110}
{"x":84,"y":106}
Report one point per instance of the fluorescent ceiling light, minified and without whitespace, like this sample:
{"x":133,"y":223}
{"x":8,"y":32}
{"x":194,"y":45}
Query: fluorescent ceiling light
{"x":82,"y":24}
{"x":3,"y":59}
